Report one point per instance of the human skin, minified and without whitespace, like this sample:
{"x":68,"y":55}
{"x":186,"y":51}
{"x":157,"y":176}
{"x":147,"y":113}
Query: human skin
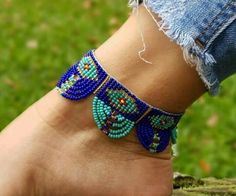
{"x":55,"y":148}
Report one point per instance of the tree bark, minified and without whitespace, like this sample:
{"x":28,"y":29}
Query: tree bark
{"x":185,"y":185}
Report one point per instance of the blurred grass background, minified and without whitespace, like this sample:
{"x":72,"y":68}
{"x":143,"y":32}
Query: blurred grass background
{"x":39,"y":39}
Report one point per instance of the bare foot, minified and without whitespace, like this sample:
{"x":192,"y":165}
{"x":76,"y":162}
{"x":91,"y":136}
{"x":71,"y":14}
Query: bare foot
{"x":56,"y":149}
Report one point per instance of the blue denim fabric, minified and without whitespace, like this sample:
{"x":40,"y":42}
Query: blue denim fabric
{"x":206,"y":30}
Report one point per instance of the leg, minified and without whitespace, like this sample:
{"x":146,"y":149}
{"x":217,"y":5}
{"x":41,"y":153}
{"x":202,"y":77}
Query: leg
{"x":57,"y":149}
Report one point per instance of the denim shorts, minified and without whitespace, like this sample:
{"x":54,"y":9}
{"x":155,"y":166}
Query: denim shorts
{"x":205,"y":30}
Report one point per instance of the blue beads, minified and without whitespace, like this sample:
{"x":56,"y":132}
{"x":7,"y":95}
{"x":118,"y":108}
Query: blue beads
{"x":116,"y":110}
{"x":86,"y":79}
{"x":155,"y":130}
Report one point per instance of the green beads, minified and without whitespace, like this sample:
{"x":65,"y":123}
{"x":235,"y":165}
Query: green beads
{"x":67,"y":84}
{"x":110,"y":122}
{"x":121,"y":127}
{"x":122,"y":101}
{"x":87,"y":68}
{"x":161,"y":121}
{"x":100,"y":112}
{"x":153,"y":146}
{"x":174,"y":136}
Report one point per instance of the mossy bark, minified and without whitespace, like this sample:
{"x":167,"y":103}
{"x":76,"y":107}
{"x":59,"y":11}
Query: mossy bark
{"x":189,"y":186}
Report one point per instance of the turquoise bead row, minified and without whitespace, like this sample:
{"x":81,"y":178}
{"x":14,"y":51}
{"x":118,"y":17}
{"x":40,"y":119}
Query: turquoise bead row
{"x":122,"y":131}
{"x":102,"y":113}
{"x":174,"y":136}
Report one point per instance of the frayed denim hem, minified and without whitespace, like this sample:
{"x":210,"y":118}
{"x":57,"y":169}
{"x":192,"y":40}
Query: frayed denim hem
{"x":192,"y":52}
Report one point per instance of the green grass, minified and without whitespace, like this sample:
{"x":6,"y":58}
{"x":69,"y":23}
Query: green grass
{"x":39,"y":39}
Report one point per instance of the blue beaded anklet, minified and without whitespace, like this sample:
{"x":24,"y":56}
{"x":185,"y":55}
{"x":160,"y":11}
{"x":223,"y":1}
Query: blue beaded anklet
{"x":116,"y":110}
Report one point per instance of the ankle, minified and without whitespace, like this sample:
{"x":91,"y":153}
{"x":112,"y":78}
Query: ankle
{"x":166,"y":85}
{"x":75,"y":120}
{"x":168,"y":82}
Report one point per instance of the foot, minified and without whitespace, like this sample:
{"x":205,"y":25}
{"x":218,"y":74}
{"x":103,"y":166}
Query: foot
{"x":56,"y":149}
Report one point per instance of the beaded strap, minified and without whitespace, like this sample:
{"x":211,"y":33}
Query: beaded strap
{"x":116,"y":110}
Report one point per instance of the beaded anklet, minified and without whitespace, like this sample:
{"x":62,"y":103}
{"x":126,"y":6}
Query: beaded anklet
{"x":116,"y":110}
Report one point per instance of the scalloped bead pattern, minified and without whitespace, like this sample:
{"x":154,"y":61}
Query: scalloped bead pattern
{"x":155,"y":130}
{"x":116,"y":110}
{"x":109,"y":121}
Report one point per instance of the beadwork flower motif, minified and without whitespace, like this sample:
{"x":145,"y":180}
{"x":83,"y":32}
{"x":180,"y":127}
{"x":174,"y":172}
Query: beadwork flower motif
{"x":122,"y":101}
{"x":161,"y":121}
{"x":87,"y":68}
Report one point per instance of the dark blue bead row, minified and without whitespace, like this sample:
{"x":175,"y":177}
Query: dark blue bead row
{"x":84,"y":86}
